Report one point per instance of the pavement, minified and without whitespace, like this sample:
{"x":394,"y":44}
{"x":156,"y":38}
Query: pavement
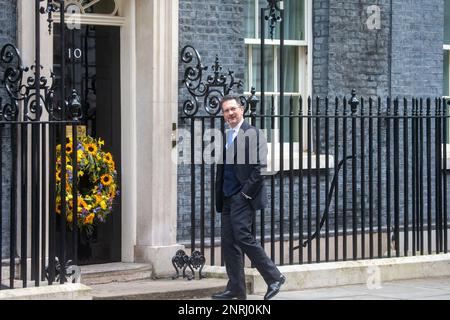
{"x":134,"y":282}
{"x":415,"y":289}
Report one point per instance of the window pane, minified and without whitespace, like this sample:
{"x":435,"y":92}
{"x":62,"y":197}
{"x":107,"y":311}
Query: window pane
{"x":249,"y":11}
{"x":447,"y":22}
{"x":290,"y":67}
{"x":294,"y":24}
{"x":268,"y":68}
{"x":446,"y":75}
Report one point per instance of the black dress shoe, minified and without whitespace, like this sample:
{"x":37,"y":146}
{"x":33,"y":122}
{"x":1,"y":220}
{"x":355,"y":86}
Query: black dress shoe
{"x":228,"y":295}
{"x":274,"y":288}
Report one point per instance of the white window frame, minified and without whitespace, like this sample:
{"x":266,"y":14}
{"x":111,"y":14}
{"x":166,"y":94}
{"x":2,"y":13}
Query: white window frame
{"x":304,"y":89}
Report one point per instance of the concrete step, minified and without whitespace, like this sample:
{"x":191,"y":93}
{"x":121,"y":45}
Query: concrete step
{"x":114,"y":272}
{"x":158,"y":289}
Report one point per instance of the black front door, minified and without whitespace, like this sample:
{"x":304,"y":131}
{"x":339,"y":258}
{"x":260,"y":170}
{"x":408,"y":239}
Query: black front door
{"x":93,"y":70}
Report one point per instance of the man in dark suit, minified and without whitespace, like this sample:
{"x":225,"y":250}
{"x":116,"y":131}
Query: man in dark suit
{"x":239,"y":192}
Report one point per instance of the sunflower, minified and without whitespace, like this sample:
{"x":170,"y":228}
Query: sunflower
{"x":106,"y":180}
{"x":58,"y":176}
{"x":108,"y":157}
{"x":69,"y":148}
{"x":91,"y":148}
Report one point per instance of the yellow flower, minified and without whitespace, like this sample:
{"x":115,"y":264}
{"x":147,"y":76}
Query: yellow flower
{"x":69,"y":148}
{"x":89,"y":219}
{"x":70,"y":218}
{"x":101,"y":142}
{"x":108,"y":157}
{"x":80,"y":155}
{"x":106,"y":179}
{"x":80,"y":173}
{"x":103,"y":205}
{"x":58,"y":176}
{"x":98,"y":199}
{"x":91,"y":148}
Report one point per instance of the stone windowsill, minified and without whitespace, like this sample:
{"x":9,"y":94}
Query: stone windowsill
{"x":273,"y":158}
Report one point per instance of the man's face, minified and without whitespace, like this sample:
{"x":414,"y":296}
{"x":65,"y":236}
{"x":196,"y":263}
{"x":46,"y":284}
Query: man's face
{"x":233,"y":113}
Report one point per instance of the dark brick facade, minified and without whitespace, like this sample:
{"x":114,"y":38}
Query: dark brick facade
{"x":8,"y":25}
{"x":402,"y":58}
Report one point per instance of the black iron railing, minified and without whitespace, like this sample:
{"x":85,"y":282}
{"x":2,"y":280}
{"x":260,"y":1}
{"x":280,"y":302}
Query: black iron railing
{"x":33,"y":122}
{"x":348,"y":178}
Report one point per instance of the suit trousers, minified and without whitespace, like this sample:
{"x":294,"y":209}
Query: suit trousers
{"x":237,"y":238}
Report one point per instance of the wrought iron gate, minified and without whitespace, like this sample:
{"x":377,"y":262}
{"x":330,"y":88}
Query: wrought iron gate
{"x":35,"y":117}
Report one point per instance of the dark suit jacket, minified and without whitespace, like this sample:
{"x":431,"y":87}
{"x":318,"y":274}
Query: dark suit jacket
{"x":249,"y":152}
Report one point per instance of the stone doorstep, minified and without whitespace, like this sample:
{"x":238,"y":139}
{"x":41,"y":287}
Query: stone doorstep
{"x":165,"y":289}
{"x":323,"y":275}
{"x":114,"y":272}
{"x":68,"y":291}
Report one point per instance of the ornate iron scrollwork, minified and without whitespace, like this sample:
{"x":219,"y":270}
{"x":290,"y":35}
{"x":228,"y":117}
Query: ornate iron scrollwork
{"x":33,"y":101}
{"x":70,"y":272}
{"x":273,"y":17}
{"x":181,"y":261}
{"x":212,"y":90}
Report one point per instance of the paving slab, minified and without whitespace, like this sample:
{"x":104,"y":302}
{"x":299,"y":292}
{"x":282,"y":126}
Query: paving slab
{"x":158,"y":289}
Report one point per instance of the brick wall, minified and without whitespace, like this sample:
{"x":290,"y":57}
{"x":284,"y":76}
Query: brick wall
{"x":7,"y":35}
{"x":213,"y":27}
{"x":417,"y":52}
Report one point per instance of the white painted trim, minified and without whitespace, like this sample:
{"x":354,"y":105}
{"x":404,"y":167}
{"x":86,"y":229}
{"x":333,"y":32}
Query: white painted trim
{"x":446,"y":46}
{"x":276,"y":42}
{"x":128,"y":129}
{"x":93,"y":19}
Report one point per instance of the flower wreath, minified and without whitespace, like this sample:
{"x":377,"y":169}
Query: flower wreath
{"x":96,"y":182}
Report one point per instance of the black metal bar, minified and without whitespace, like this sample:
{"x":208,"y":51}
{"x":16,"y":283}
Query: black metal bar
{"x":428,"y":146}
{"x":282,"y":66}
{"x":420,"y":186}
{"x":406,"y":176}
{"x":193,"y":185}
{"x":388,"y":177}
{"x":371,"y":191}
{"x":222,"y":129}
{"x":396,"y":180}
{"x":52,"y":204}
{"x":74,"y":195}
{"x":13,"y":206}
{"x":23,"y":202}
{"x":363,"y":184}
{"x":291,"y":180}
{"x":62,"y":257}
{"x":414,"y":173}
{"x":344,"y":187}
{"x":327,"y":182}
{"x":444,"y":173}
{"x":1,"y":206}
{"x":336,"y":175}
{"x":272,"y":182}
{"x":35,"y":203}
{"x":35,"y":157}
{"x":212,"y":196}
{"x":300,"y":172}
{"x":263,"y":105}
{"x":202,"y":194}
{"x":438,"y":173}
{"x":379,"y":181}
{"x":309,"y":179}
{"x":317,"y":179}
{"x":44,"y":200}
{"x":354,"y":191}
